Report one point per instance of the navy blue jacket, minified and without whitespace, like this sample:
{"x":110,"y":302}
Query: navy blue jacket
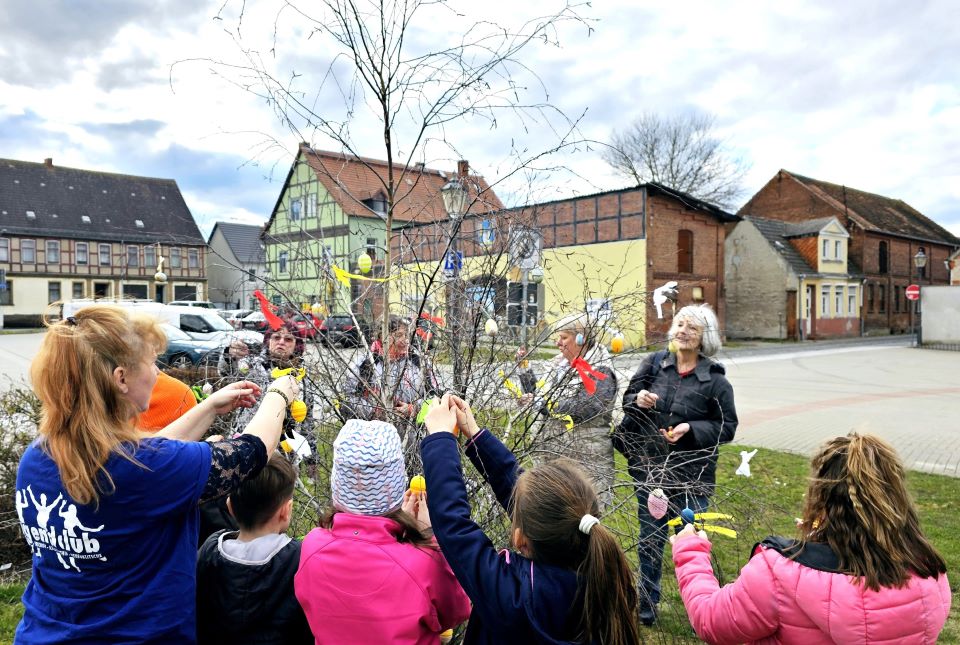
{"x":514,"y":599}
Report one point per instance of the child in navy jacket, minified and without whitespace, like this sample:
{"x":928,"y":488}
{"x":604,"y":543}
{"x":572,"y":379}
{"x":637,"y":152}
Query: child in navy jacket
{"x":567,"y":560}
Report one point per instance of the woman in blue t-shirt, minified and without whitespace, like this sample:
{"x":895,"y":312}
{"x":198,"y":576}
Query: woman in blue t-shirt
{"x":110,"y":514}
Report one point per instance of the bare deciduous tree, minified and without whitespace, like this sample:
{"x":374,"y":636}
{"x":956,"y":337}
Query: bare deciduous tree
{"x":680,"y":152}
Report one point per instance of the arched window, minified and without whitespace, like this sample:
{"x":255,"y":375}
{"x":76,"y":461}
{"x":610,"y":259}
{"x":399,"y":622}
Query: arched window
{"x":684,"y":251}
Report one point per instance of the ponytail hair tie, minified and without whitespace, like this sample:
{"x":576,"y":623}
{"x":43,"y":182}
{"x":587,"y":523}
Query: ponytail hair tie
{"x":70,"y":320}
{"x":587,"y":522}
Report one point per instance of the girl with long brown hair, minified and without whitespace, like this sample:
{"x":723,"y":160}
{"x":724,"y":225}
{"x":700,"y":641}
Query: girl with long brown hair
{"x":861,"y":571}
{"x":111,"y":514}
{"x":570,"y":581}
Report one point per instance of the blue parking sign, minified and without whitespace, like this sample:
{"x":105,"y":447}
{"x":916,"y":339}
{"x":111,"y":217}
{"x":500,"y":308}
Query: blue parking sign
{"x":453,"y":261}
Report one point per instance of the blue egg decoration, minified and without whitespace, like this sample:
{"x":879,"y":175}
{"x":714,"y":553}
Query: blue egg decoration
{"x":687,"y":515}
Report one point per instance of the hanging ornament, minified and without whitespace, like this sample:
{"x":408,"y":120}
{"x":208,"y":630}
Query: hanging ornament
{"x":243,"y":366}
{"x":364,"y":263}
{"x":418,"y":484}
{"x":657,"y":503}
{"x":672,"y":346}
{"x":687,"y":515}
{"x":207,"y":389}
{"x":298,"y":410}
{"x":490,"y":327}
{"x":616,"y":344}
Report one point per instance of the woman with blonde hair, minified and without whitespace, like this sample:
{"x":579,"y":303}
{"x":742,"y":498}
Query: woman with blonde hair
{"x":114,"y":532}
{"x":861,"y":571}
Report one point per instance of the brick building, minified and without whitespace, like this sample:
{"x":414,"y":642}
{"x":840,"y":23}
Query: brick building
{"x":885,"y":235}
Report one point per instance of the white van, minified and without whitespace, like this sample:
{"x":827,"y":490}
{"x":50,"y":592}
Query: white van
{"x":196,"y":322}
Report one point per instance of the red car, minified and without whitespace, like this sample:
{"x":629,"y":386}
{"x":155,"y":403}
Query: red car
{"x":307,"y":325}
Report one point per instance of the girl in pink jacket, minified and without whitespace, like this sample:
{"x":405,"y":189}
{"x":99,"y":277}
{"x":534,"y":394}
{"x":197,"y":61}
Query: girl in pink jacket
{"x":372,"y":572}
{"x":862,"y":573}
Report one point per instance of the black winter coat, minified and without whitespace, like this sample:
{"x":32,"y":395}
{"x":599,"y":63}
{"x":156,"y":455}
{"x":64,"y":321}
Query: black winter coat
{"x":703,"y":398}
{"x":242,"y":603}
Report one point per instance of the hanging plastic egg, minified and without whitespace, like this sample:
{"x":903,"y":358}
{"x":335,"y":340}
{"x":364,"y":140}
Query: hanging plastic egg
{"x":418,"y":484}
{"x":298,"y":410}
{"x":243,"y":366}
{"x":657,"y":503}
{"x":160,"y":277}
{"x":491,"y":328}
{"x":616,"y":344}
{"x":672,"y":346}
{"x":364,"y":263}
{"x":207,"y":389}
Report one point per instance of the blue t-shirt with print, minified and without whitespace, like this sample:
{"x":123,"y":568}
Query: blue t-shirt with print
{"x":123,"y":572}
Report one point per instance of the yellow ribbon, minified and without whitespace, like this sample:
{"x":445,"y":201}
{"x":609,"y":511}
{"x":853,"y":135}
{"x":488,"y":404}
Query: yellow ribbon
{"x":517,"y":392}
{"x":345,"y":276}
{"x":298,"y":373}
{"x":511,"y":386}
{"x":719,"y":530}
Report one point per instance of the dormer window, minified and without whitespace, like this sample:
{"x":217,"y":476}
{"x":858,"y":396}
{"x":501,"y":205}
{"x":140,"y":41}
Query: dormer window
{"x":85,"y":219}
{"x":377,"y":204}
{"x":31,"y":215}
{"x":138,"y":222}
{"x":826,"y":249}
{"x":838,"y":249}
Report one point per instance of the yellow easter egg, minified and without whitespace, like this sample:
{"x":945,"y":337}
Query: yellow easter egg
{"x":298,"y":410}
{"x":418,"y":484}
{"x":672,"y":347}
{"x":616,"y":344}
{"x":364,"y":262}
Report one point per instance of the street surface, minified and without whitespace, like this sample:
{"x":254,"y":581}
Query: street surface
{"x":792,"y":397}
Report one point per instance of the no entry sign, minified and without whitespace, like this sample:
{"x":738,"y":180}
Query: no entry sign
{"x":912,"y":292}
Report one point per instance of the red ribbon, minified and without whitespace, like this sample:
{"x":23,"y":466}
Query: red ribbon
{"x":273,"y":320}
{"x":586,"y":371}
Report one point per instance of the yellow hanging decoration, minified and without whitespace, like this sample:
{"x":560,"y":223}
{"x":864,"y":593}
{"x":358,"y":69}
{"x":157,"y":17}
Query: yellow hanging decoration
{"x":699,"y":517}
{"x":512,"y":387}
{"x":345,"y":276}
{"x":418,"y":484}
{"x":298,"y":373}
{"x":517,"y":392}
{"x":298,"y":410}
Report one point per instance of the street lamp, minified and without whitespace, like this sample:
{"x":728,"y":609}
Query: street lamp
{"x":919,"y":261}
{"x":454,"y":194}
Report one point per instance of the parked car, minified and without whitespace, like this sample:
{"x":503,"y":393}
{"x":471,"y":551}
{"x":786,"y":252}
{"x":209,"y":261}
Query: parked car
{"x":204,"y":304}
{"x":255,"y":321}
{"x":307,"y":325}
{"x":184,"y":352}
{"x":339,"y":329}
{"x":234,"y":316}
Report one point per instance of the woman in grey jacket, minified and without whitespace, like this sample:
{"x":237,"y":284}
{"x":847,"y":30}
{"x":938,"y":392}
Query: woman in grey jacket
{"x":678,"y":409}
{"x":579,"y":389}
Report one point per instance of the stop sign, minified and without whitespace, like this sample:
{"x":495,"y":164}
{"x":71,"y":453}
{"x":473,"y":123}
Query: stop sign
{"x":912,"y":292}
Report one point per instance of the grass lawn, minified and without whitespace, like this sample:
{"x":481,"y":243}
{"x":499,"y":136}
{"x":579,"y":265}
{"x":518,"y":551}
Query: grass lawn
{"x":764,"y":504}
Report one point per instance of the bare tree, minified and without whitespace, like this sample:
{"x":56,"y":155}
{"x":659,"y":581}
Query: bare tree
{"x":680,"y":152}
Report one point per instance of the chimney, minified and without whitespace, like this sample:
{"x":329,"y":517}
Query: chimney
{"x":48,"y":162}
{"x":463,"y":168}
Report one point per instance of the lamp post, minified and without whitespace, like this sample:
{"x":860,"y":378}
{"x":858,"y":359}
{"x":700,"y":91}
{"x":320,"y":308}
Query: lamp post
{"x":919,"y":261}
{"x":454,"y":194}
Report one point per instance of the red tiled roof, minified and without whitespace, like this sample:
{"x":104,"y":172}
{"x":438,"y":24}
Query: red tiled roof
{"x":350,"y":180}
{"x":878,"y":213}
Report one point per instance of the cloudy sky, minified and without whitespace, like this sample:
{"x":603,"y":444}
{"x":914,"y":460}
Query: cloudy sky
{"x":864,"y":93}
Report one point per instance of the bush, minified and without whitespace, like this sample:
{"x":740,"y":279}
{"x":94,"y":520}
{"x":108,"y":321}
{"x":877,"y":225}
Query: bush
{"x":19,"y":419}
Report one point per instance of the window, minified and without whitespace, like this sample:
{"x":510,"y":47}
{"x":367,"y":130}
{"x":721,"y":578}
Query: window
{"x":28,"y":251}
{"x":882,"y":298}
{"x":252,"y":276}
{"x":133,"y":256}
{"x":53,"y":292}
{"x":882,"y":260}
{"x":85,"y":219}
{"x":372,"y":247}
{"x":825,"y":302}
{"x":6,"y":295}
{"x":77,"y":290}
{"x":104,"y":255}
{"x":282,"y":261}
{"x":838,"y":300}
{"x":684,"y":251}
{"x":851,"y":301}
{"x":175,"y":258}
{"x":4,"y":249}
{"x":896,"y":298}
{"x":826,"y":248}
{"x":82,"y":253}
{"x":295,"y":207}
{"x":310,"y":205}
{"x":193,"y":258}
{"x":135,"y":291}
{"x":53,"y":251}
{"x":138,"y":223}
{"x":838,"y":249}
{"x":150,"y":256}
{"x":870,"y":291}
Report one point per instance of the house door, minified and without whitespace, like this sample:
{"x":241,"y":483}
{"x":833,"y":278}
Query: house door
{"x":160,"y":292}
{"x":791,"y":314}
{"x":809,"y":312}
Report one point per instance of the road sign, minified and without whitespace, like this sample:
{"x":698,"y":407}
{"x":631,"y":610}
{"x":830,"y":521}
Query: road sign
{"x":453,"y":261}
{"x":912,"y":292}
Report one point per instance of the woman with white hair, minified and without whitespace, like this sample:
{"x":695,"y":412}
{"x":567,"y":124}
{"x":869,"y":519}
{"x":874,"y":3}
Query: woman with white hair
{"x":579,"y":387}
{"x":677,"y":409}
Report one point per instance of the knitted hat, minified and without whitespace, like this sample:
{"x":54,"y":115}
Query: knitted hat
{"x":368,"y":476}
{"x":169,"y":401}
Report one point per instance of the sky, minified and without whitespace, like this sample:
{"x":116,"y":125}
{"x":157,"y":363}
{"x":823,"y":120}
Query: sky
{"x":864,"y":93}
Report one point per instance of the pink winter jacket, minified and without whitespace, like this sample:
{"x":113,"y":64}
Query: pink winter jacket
{"x":778,"y":600}
{"x":357,"y":584}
